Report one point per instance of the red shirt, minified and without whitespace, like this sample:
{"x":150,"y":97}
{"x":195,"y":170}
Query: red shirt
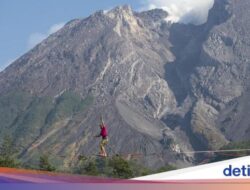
{"x":104,"y":132}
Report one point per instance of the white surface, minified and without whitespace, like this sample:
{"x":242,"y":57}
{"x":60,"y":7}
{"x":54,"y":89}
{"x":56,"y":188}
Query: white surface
{"x":207,"y":171}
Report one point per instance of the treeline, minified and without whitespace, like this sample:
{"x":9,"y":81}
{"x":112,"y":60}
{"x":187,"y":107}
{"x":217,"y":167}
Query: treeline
{"x":114,"y":167}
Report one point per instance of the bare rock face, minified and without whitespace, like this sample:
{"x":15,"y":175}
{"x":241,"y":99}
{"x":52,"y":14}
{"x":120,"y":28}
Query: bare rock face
{"x":203,"y":125}
{"x":164,"y":89}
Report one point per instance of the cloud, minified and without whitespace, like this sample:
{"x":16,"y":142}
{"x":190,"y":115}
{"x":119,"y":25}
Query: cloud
{"x":184,"y":11}
{"x":37,"y":37}
{"x":107,"y":10}
{"x":55,"y":27}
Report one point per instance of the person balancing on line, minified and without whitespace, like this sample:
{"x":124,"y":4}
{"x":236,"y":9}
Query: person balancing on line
{"x":104,"y":141}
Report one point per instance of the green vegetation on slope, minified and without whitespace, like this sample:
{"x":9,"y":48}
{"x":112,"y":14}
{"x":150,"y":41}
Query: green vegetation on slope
{"x":12,"y":105}
{"x":237,"y":145}
{"x":68,"y":104}
{"x":8,"y":154}
{"x":32,"y":121}
{"x":25,"y":117}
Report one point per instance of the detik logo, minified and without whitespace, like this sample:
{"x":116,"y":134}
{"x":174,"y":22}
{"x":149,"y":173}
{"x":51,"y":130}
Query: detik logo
{"x":235,"y":171}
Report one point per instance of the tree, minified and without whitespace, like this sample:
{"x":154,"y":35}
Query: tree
{"x":7,"y":154}
{"x":91,"y":169}
{"x":44,"y":164}
{"x":121,"y":168}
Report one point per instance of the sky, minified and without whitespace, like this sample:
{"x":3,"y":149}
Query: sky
{"x":23,"y":24}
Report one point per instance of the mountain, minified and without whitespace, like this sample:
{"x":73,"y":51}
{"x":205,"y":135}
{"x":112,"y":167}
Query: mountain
{"x":164,"y":89}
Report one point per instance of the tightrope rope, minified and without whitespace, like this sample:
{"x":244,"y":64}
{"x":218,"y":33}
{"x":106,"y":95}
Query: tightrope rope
{"x":185,"y":152}
{"x":215,"y":151}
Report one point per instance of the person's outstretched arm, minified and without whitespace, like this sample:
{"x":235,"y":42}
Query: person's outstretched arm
{"x":102,"y":123}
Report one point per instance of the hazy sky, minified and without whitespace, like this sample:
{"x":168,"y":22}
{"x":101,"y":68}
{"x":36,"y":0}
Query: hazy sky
{"x":24,"y":23}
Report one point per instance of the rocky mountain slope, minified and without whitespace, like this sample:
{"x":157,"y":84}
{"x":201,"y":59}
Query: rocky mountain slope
{"x":164,"y":89}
